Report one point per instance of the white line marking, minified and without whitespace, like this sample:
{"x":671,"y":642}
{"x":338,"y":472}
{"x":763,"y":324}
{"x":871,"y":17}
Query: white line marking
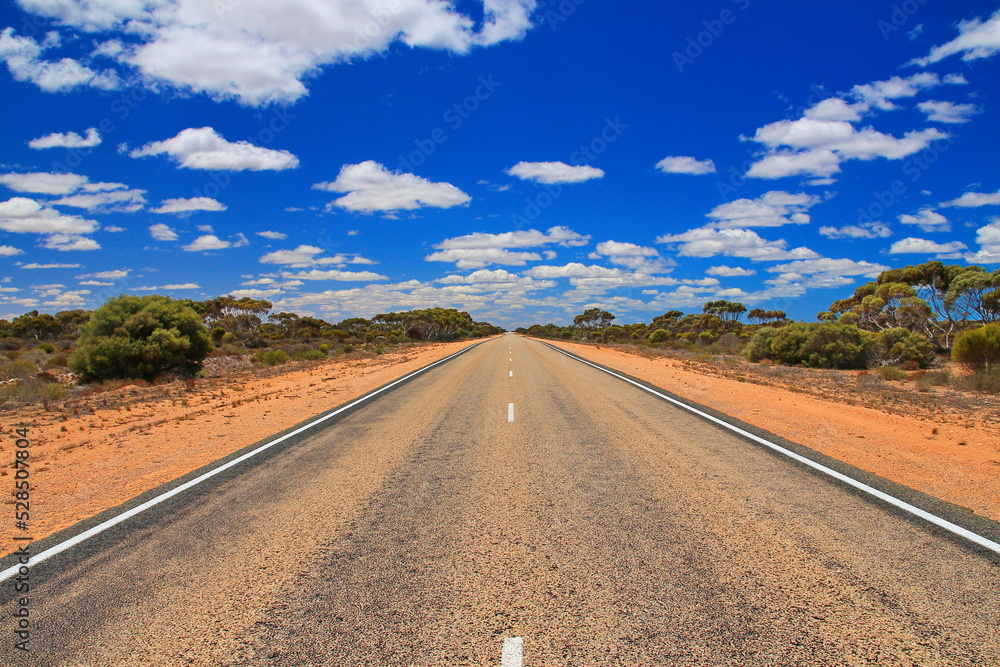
{"x":850,"y":481}
{"x":124,"y":516}
{"x":512,"y":654}
{"x":511,"y":359}
{"x":510,"y":412}
{"x":511,"y":374}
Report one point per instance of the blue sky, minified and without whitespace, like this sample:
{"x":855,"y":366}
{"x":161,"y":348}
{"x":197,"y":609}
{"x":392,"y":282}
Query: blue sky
{"x":519,"y":159}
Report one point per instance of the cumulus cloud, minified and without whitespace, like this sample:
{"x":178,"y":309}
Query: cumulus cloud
{"x":335,"y":274}
{"x":923,"y":246}
{"x":477,"y":258}
{"x":496,"y":280}
{"x":988,"y":238}
{"x":67,"y":140}
{"x":554,"y":172}
{"x":926,"y":219}
{"x":204,"y":148}
{"x":772,"y":209}
{"x":976,"y":39}
{"x":598,"y":277}
{"x":746,"y":243}
{"x":526,"y":238}
{"x":975,"y":199}
{"x":948,"y":112}
{"x":187,"y":205}
{"x":162,"y":232}
{"x":682,"y":164}
{"x":213,"y":242}
{"x":260,"y":51}
{"x":836,"y":108}
{"x":633,"y":256}
{"x":729,"y":271}
{"x":372,"y":187}
{"x":44,"y":183}
{"x":306,"y":256}
{"x":864,"y":230}
{"x":274,"y":236}
{"x":70,"y":242}
{"x":838,"y":267}
{"x":881,"y":93}
{"x":21,"y":215}
{"x":24,"y":58}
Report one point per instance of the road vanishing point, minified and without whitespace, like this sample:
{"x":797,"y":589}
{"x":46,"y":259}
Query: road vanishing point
{"x":513,"y":506}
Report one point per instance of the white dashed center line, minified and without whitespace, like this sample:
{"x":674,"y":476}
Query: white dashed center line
{"x":510,"y":412}
{"x":511,"y":374}
{"x":513,"y":652}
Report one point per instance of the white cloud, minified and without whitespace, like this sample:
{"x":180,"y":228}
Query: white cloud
{"x":746,"y":243}
{"x":67,"y":140}
{"x":260,"y":51}
{"x":948,"y":112}
{"x":682,"y":164}
{"x":598,"y":277}
{"x":497,"y":280}
{"x":881,"y":93}
{"x":204,"y":148}
{"x":33,"y":265}
{"x":207,"y":242}
{"x":923,"y":246}
{"x":554,"y":172}
{"x":782,"y":163}
{"x":21,"y":215}
{"x":44,"y":183}
{"x":372,"y":187}
{"x":729,"y":271}
{"x":527,"y":238}
{"x":162,"y":232}
{"x":835,"y":108}
{"x":159,"y":288}
{"x":838,"y":267}
{"x":988,"y":238}
{"x":926,"y":219}
{"x":975,"y":199}
{"x":121,"y":201}
{"x":70,"y":242}
{"x":115,"y":274}
{"x":306,"y":255}
{"x":192,"y":204}
{"x":23,"y":57}
{"x":335,"y":274}
{"x":864,"y":230}
{"x":477,"y":258}
{"x":844,"y":139}
{"x":632,"y":256}
{"x":976,"y":39}
{"x":275,"y":236}
{"x":772,"y":209}
{"x":9,"y":251}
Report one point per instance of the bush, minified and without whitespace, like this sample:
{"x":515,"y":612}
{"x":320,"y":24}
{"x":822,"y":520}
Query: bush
{"x":310,"y":355}
{"x":659,"y":336}
{"x":273,"y":357}
{"x":895,"y":347}
{"x":133,"y":337}
{"x":814,"y":345}
{"x":21,"y":368}
{"x":978,"y":349}
{"x":987,"y":382}
{"x":892,"y":373}
{"x":324,"y":348}
{"x":47,"y":348}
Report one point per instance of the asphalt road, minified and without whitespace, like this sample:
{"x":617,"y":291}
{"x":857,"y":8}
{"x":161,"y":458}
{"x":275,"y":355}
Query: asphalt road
{"x":602,"y":526}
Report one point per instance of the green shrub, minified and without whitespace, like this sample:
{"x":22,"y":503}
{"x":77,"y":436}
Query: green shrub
{"x":348,"y":348}
{"x":813,"y":345}
{"x":892,"y":373}
{"x":273,"y":357}
{"x":140,"y":337}
{"x":659,"y":336}
{"x":21,"y":368}
{"x":310,"y":355}
{"x":894,"y":347}
{"x":324,"y":348}
{"x":978,"y":349}
{"x":47,"y":348}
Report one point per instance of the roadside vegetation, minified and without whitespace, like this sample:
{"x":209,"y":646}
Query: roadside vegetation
{"x":155,"y":339}
{"x":910,"y":323}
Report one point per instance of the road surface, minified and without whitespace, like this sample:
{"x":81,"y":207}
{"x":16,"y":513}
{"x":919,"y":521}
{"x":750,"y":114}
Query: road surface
{"x":514,"y":492}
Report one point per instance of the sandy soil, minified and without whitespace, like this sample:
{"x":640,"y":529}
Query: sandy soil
{"x":97,"y":451}
{"x":950,"y":452}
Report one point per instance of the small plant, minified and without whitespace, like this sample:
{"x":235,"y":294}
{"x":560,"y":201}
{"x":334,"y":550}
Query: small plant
{"x":892,"y":373}
{"x":978,"y":349}
{"x":19,"y":369}
{"x":273,"y":357}
{"x":310,"y":355}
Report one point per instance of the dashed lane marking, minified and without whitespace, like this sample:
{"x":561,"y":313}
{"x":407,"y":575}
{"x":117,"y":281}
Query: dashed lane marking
{"x":510,"y":412}
{"x":512,"y":654}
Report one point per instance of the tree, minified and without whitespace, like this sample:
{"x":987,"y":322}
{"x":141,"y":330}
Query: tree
{"x":979,"y":349}
{"x":593,"y":318}
{"x":32,"y":326}
{"x":727,"y":311}
{"x":140,"y":337}
{"x":241,"y":317}
{"x":760,"y":316}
